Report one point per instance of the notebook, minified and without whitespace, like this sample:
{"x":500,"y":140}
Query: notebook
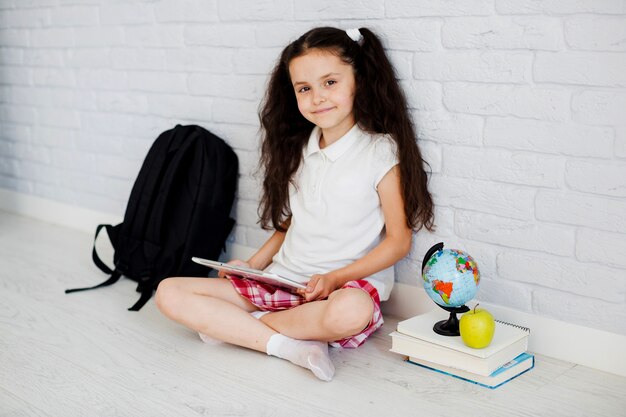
{"x":255,"y":274}
{"x":510,"y":370}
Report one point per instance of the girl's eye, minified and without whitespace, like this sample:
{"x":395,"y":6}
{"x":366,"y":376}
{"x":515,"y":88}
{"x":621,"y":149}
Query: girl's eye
{"x":331,"y":82}
{"x":303,"y":90}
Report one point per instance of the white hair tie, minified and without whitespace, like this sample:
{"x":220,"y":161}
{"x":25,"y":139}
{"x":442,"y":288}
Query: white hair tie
{"x":355,"y":35}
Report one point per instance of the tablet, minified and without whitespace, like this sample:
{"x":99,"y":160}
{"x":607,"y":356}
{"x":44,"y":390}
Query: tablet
{"x":255,"y":274}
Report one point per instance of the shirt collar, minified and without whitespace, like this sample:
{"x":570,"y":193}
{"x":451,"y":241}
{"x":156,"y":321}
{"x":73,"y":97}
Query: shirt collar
{"x":337,"y":149}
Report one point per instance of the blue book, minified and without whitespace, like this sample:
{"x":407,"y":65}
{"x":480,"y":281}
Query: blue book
{"x":510,"y":370}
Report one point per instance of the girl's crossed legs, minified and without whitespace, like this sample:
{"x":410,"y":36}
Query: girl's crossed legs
{"x":213,"y":307}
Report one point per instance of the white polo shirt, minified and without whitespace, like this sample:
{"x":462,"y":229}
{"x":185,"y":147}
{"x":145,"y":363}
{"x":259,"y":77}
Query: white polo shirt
{"x":336,"y":213}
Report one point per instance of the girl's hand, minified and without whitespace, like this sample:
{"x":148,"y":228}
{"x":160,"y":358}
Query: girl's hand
{"x":235,"y":262}
{"x":319,"y":287}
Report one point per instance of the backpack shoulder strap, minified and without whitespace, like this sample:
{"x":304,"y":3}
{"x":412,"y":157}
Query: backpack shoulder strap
{"x":145,"y":188}
{"x":112,"y":232}
{"x":115,"y":276}
{"x":114,"y":273}
{"x":185,"y":139}
{"x":143,"y":299}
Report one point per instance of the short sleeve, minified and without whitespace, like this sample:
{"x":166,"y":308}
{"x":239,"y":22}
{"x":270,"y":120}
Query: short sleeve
{"x":384,"y":157}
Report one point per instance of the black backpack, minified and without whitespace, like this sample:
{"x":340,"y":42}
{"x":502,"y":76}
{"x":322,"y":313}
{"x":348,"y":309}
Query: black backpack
{"x":179,"y":207}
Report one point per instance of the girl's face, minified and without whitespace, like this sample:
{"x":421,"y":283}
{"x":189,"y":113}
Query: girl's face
{"x":324,"y":86}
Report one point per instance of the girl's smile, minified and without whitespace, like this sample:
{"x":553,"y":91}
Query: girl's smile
{"x":324,"y":110}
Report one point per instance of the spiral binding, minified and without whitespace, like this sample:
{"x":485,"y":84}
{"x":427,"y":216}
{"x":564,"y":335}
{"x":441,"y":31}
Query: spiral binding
{"x":526,"y":329}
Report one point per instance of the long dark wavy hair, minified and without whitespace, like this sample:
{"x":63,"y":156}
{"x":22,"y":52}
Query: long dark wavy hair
{"x":379,"y":107}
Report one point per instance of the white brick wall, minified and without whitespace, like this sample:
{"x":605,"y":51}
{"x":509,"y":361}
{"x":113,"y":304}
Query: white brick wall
{"x":520,"y":108}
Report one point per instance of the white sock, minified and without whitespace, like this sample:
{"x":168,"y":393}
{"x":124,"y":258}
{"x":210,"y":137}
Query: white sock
{"x":309,"y":354}
{"x":212,"y":341}
{"x":208,"y":339}
{"x":258,"y":314}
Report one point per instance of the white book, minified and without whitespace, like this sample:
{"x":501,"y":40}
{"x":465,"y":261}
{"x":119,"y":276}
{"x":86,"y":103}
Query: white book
{"x":415,"y":337}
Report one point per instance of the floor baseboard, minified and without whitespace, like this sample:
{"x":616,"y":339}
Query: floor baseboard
{"x":578,"y":344}
{"x":54,"y":212}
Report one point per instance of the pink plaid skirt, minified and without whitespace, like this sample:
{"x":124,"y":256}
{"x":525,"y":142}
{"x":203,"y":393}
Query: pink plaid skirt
{"x":270,"y":298}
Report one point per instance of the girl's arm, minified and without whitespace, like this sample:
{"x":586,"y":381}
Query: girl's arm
{"x":263,"y":257}
{"x":395,"y":245}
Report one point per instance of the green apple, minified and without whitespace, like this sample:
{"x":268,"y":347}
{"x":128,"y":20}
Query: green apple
{"x":477,"y":328}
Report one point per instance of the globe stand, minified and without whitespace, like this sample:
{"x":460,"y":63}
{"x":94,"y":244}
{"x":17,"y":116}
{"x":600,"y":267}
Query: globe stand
{"x":450,"y":327}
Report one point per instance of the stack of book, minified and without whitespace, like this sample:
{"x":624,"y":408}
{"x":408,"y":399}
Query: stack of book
{"x":504,"y":359}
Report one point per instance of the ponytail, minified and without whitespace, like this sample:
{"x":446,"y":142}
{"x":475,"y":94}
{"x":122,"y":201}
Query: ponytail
{"x":380,"y":106}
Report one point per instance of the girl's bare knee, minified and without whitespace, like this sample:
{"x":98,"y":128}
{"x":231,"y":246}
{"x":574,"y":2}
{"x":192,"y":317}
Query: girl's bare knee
{"x":349,"y":311}
{"x":168,"y":296}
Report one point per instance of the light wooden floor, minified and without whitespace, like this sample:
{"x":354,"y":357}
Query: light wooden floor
{"x":86,"y":355}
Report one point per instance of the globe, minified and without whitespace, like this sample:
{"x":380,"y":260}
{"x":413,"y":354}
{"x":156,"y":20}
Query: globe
{"x":451,"y":279}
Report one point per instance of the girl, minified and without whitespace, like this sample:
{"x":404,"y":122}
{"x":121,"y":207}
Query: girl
{"x":344,"y":187}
